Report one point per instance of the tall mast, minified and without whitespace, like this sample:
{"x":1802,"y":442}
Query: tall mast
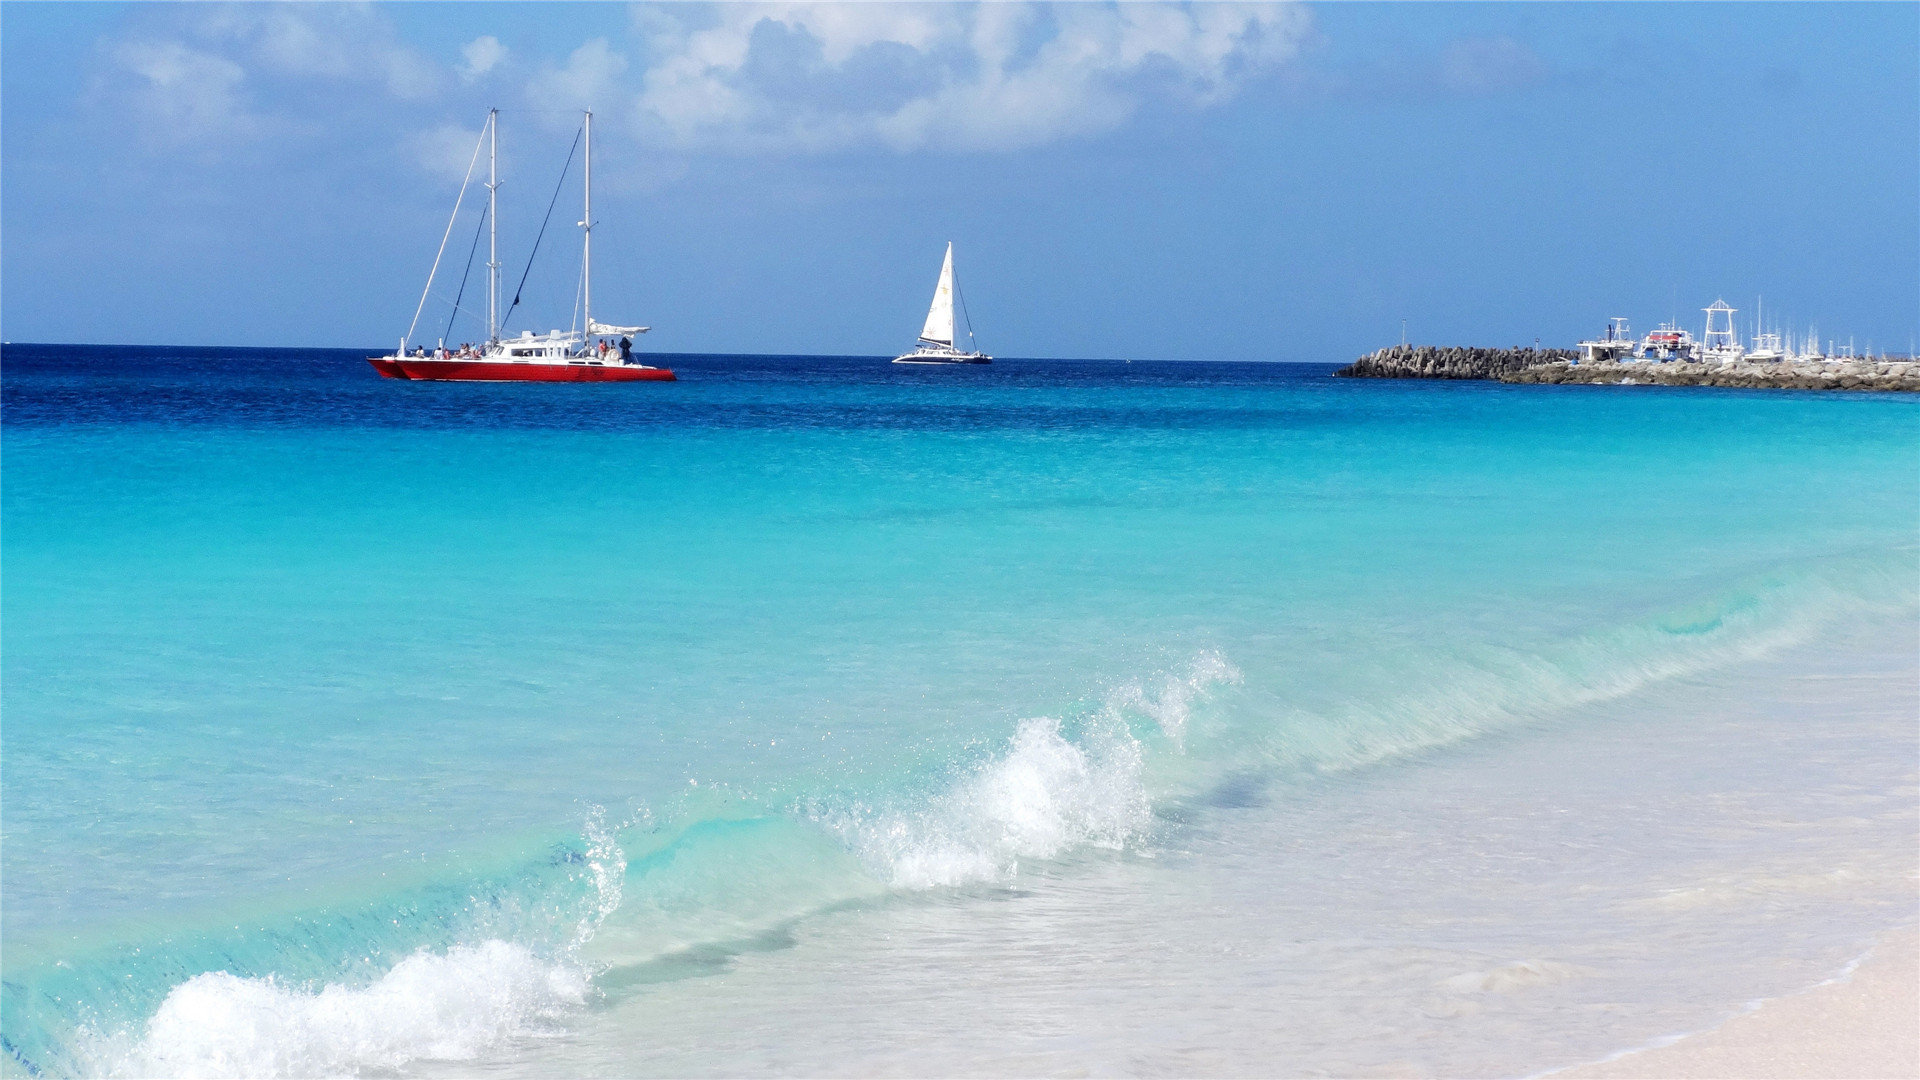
{"x":586,"y":235}
{"x":493,"y":227}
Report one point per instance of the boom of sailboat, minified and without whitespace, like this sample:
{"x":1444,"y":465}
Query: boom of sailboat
{"x":594,"y":351}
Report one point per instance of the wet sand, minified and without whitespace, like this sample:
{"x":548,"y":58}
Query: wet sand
{"x":1863,"y":1023}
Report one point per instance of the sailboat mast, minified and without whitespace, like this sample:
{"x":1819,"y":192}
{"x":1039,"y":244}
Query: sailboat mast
{"x":586,"y":235}
{"x":493,"y":226}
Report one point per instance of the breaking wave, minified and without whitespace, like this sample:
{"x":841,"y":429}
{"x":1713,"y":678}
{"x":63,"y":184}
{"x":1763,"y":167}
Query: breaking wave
{"x":1052,"y":790}
{"x":451,"y":1006}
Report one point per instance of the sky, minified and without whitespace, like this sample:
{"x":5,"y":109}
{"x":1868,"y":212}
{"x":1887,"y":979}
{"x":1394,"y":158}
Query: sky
{"x":1152,"y":181}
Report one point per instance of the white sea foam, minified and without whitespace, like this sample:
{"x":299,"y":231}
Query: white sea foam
{"x":451,"y":1006}
{"x":1043,"y":796}
{"x":1048,"y":793}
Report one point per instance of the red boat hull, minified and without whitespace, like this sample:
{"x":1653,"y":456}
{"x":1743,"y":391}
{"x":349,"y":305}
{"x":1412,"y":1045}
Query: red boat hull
{"x":483,"y":371}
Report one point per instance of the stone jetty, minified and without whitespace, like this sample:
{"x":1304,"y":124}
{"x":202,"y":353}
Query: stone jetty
{"x":1784,"y":375}
{"x":1558,"y":366}
{"x":1433,"y":362}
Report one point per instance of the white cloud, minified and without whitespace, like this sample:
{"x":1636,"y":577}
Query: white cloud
{"x":483,"y":54}
{"x":333,"y":41}
{"x":203,"y":76}
{"x":819,"y":77}
{"x":775,"y":77}
{"x":590,"y":77}
{"x":187,"y":95}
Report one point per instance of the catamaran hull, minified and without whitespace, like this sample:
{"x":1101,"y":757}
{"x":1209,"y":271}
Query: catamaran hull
{"x":487,"y":371}
{"x":912,"y":359}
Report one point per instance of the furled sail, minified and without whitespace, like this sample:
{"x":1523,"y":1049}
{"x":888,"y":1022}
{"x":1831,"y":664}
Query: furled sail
{"x":598,"y":327}
{"x":939,"y":328}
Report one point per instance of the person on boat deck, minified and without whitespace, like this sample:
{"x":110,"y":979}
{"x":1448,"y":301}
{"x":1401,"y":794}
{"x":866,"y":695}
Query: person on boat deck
{"x":626,"y":349}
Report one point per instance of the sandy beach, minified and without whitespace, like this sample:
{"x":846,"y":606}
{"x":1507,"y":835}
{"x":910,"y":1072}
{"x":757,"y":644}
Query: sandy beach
{"x":1862,"y":1023}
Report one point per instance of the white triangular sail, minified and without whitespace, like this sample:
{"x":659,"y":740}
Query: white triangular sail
{"x":939,"y":328}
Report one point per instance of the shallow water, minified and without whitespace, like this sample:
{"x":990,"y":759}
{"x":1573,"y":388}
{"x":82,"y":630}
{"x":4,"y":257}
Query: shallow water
{"x":816,"y":715}
{"x":1628,"y":872}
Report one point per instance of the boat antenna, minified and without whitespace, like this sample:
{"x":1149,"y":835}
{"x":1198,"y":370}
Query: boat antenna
{"x":551,"y":203}
{"x":484,"y":218}
{"x":422,"y":305}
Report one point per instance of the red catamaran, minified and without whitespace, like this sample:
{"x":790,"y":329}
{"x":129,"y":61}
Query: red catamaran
{"x":590,"y":355}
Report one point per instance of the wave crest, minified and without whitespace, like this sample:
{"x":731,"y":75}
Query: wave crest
{"x":452,"y":1006}
{"x":1048,"y":793}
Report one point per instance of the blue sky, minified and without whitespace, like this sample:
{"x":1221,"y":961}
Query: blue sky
{"x":1214,"y":181}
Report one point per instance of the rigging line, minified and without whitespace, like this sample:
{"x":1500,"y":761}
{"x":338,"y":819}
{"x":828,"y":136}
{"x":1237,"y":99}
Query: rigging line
{"x":543,"y":228}
{"x":464,"y":275}
{"x":579,"y":290}
{"x":443,"y":298}
{"x":422,"y":305}
{"x":962,"y":297}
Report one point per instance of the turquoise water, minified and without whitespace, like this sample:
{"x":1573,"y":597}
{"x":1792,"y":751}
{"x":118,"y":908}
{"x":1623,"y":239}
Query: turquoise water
{"x":443,"y":717}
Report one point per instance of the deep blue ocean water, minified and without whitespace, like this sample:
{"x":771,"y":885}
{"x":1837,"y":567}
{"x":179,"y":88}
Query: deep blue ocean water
{"x":445,"y":720}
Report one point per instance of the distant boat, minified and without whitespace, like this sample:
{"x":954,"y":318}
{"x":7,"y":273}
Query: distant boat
{"x":1616,"y":344}
{"x":936,"y":345}
{"x":600,"y":352}
{"x":1667,"y":343}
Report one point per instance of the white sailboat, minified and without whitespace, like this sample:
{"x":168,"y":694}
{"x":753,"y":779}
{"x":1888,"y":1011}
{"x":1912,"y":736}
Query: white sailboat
{"x":936,"y":344}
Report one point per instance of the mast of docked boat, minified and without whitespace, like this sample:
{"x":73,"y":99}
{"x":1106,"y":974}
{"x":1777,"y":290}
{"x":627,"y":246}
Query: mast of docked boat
{"x":493,"y":226}
{"x":586,"y":238}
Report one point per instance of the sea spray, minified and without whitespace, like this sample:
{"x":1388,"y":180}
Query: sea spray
{"x":1056,"y":786}
{"x":1044,"y":795}
{"x":451,"y":1004}
{"x":607,"y":869}
{"x":1170,"y":704}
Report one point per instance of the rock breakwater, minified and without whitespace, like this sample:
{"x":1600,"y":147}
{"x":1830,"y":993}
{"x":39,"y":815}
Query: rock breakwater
{"x":1558,"y":366}
{"x":1457,"y":362}
{"x":1844,"y":375}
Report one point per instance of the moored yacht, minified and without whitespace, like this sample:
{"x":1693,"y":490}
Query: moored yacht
{"x":597,"y":352}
